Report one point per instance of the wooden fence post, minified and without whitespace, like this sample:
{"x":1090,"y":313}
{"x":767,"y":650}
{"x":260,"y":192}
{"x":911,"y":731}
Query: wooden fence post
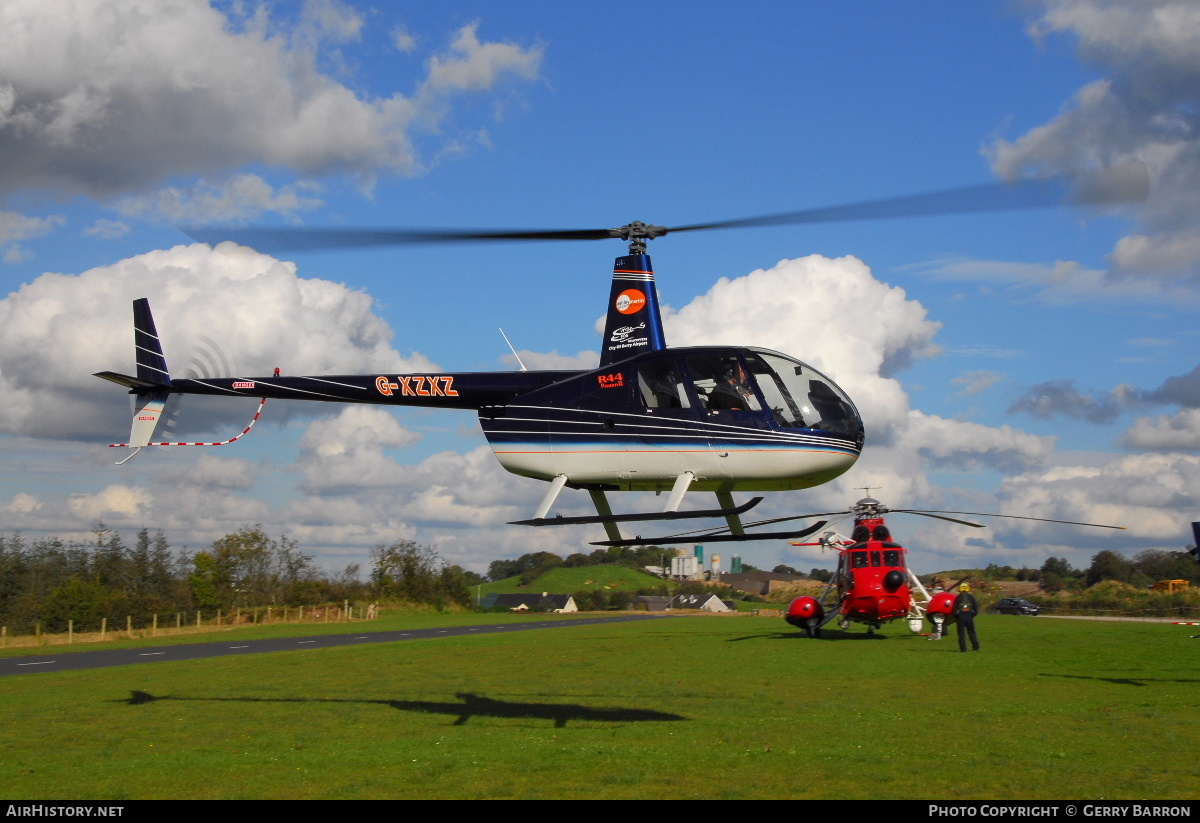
{"x":70,"y":631}
{"x":103,"y":627}
{"x":129,"y":625}
{"x":154,"y":630}
{"x":197,"y":620}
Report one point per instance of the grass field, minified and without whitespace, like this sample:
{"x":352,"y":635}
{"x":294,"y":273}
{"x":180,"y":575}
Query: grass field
{"x":683,"y":707}
{"x":563,"y":580}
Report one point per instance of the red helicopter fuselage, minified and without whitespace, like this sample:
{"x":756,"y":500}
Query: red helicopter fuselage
{"x":873,"y":575}
{"x":872,"y":582}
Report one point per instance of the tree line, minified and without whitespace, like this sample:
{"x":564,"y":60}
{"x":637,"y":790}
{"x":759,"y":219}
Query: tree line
{"x":529,"y":567}
{"x":1141,"y":571}
{"x":47,"y":582}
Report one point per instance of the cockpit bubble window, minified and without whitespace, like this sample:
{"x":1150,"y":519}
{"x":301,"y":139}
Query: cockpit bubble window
{"x":722,"y":382}
{"x":660,"y":385}
{"x":800,"y":396}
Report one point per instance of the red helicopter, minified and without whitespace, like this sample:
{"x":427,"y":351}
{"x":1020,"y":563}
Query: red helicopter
{"x":873,"y":583}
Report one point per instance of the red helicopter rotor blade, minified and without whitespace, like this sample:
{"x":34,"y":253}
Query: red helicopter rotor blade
{"x":934,"y":512}
{"x":940,"y":517}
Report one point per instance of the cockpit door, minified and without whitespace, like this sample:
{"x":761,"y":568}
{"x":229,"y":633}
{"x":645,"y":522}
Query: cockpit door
{"x":670,"y":433}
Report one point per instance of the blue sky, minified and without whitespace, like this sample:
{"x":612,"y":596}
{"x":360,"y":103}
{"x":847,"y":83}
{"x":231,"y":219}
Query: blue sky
{"x":1028,"y":363}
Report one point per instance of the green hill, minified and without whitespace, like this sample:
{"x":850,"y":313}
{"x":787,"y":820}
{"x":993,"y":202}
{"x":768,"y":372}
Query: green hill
{"x":564,"y":580}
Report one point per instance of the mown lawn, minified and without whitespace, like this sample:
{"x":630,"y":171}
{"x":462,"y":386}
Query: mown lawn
{"x":707,"y":707}
{"x":563,"y":580}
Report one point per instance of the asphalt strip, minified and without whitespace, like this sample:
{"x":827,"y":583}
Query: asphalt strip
{"x":74,"y":661}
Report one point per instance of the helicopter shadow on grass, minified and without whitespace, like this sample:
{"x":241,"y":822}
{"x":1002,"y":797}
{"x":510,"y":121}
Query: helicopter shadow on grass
{"x":471,"y":705}
{"x":1124,"y":681}
{"x":826,"y":635}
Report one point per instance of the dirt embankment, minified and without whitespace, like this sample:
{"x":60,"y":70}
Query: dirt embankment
{"x":1014,"y":588}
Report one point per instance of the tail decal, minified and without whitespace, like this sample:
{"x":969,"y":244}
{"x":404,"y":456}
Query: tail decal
{"x":634,"y":324}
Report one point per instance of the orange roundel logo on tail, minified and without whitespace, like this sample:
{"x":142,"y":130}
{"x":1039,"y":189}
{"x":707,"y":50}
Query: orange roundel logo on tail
{"x":630,"y":301}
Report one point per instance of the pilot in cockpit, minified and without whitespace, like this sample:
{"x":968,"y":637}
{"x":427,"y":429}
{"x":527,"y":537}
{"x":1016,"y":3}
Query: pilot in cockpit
{"x":732,"y":390}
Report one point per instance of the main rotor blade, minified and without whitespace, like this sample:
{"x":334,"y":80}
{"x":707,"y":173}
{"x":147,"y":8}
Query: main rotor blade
{"x":1126,"y":184}
{"x":1123,"y":184}
{"x":840,"y":515}
{"x":303,"y":239}
{"x":932,"y":512}
{"x":723,"y":538}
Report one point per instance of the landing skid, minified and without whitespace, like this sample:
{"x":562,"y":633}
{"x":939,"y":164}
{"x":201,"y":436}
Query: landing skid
{"x":631,"y":518}
{"x":712,"y":538}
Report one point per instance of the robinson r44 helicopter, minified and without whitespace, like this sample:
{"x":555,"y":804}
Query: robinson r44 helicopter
{"x":719,"y":419}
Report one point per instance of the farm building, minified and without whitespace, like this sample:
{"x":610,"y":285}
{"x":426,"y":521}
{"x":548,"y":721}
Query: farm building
{"x":704,"y":602}
{"x":761,"y":583}
{"x":650,"y":603}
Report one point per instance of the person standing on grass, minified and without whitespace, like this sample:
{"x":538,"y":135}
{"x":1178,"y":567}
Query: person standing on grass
{"x":965,"y":609}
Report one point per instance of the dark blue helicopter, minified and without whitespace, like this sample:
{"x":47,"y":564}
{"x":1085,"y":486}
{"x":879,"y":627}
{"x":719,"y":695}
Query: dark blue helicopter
{"x":719,"y":419}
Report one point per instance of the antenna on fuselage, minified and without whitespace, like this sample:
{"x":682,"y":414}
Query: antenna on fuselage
{"x":514,"y":351}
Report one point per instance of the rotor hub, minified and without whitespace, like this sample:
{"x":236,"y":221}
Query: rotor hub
{"x":636,"y":234}
{"x":869,"y":507}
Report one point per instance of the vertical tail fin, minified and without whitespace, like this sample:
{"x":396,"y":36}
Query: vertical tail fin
{"x":147,"y":349}
{"x":151,"y":367}
{"x":634,"y":324}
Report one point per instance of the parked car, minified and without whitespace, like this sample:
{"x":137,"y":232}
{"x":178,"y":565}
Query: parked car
{"x":1016,"y":605}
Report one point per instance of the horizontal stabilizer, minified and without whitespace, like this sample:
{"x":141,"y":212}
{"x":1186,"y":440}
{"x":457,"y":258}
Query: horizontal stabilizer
{"x":713,"y":538}
{"x":631,"y":518}
{"x":134,"y":383}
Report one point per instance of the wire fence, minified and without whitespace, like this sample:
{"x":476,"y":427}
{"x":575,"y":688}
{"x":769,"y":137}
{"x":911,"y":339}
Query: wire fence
{"x":177,"y":623}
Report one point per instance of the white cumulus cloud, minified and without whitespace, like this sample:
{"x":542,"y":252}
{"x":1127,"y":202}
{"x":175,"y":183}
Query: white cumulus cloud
{"x":109,"y":97}
{"x":60,"y":329}
{"x":1168,"y":432}
{"x":1142,"y":112}
{"x":1152,"y":495}
{"x":346,"y":451}
{"x":796,"y":308}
